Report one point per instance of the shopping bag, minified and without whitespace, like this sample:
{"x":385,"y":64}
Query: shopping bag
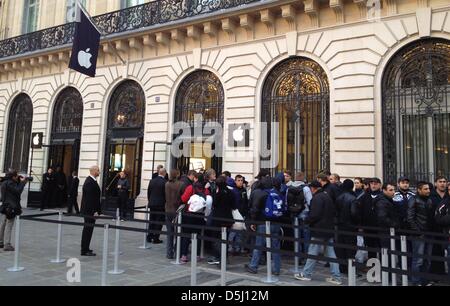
{"x":239,"y":224}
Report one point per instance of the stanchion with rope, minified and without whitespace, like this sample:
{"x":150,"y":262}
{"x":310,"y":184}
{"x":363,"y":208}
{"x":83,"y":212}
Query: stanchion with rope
{"x":296,"y":268}
{"x":58,"y":258}
{"x":178,"y":252}
{"x":393,"y":257}
{"x":403,"y":248}
{"x":116,"y":270}
{"x":105,"y":254}
{"x":269,"y":279}
{"x":145,"y":245}
{"x":351,"y":273}
{"x":384,"y":264}
{"x":194,"y":260}
{"x":223,"y":259}
{"x":16,"y":267}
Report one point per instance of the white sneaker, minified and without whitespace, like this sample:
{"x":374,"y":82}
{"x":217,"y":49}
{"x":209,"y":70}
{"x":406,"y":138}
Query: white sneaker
{"x":302,"y":277}
{"x":334,"y":281}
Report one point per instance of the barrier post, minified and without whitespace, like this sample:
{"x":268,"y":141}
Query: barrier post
{"x":384,"y":264}
{"x":178,"y":252}
{"x":16,"y":267}
{"x":296,"y":269}
{"x":145,"y":245}
{"x":116,"y":270}
{"x":202,"y":245}
{"x":269,"y":279}
{"x":393,"y":257}
{"x":223,"y":260}
{"x":351,"y":273}
{"x":105,"y":253}
{"x":404,"y":260}
{"x":58,"y":258}
{"x":194,"y":260}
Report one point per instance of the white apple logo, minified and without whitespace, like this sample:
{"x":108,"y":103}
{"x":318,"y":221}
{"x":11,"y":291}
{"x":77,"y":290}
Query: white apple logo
{"x":36,"y":141}
{"x":84,"y":58}
{"x":238,"y":134}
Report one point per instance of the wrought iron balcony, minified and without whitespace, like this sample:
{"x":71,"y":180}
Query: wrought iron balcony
{"x":133,"y":18}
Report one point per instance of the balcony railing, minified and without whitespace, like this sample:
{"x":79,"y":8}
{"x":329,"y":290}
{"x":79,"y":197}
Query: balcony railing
{"x":133,"y":18}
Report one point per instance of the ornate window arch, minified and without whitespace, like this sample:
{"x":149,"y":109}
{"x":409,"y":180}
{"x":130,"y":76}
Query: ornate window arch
{"x":295,"y":107}
{"x":124,"y":138}
{"x":416,"y":111}
{"x":68,"y":112}
{"x":19,"y":134}
{"x":201,"y":92}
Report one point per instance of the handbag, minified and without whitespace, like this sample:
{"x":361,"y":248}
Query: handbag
{"x":239,"y":224}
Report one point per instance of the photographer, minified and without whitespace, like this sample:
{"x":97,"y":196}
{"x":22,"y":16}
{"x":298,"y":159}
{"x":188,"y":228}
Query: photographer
{"x":11,"y":189}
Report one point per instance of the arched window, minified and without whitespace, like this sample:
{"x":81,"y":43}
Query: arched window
{"x":201,"y":95}
{"x":68,"y":112}
{"x":295,"y":107}
{"x":66,"y":131}
{"x":125,"y":134}
{"x":416,"y":112}
{"x":19,"y":134}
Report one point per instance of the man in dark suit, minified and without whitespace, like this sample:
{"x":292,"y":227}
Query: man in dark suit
{"x":72,"y":194}
{"x":48,"y":188}
{"x":156,"y":195}
{"x":90,"y":205}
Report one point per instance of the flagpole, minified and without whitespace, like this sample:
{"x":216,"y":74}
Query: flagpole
{"x":80,"y":5}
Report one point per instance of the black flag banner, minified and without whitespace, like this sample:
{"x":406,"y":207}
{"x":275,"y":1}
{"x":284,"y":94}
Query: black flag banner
{"x":86,"y":45}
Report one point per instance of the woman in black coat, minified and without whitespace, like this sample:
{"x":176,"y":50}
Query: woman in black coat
{"x":223,"y":206}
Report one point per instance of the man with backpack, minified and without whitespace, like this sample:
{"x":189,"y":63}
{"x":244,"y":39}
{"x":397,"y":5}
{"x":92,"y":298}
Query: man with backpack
{"x":266,"y":205}
{"x":442,"y":218}
{"x":321,"y":221}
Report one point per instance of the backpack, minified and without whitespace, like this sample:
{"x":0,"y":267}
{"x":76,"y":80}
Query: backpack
{"x":275,"y":205}
{"x":197,"y":202}
{"x":295,"y":199}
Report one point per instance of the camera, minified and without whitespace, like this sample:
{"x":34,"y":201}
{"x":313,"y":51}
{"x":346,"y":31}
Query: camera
{"x":28,"y":178}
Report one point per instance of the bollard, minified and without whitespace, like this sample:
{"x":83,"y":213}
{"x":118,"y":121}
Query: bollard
{"x":269,"y":279}
{"x":145,"y":245}
{"x":296,"y":268}
{"x":351,"y":273}
{"x":223,"y":260}
{"x":105,"y":254}
{"x":116,"y":270}
{"x":178,"y":252}
{"x":16,"y":267}
{"x":202,"y":245}
{"x":194,"y":260}
{"x":384,"y":264}
{"x":58,"y":258}
{"x":404,"y":261}
{"x":117,"y":233}
{"x":393,"y":257}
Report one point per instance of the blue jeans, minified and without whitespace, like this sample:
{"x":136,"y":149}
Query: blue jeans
{"x":316,"y":249}
{"x":419,"y":264}
{"x":235,"y":239}
{"x":261,"y":242}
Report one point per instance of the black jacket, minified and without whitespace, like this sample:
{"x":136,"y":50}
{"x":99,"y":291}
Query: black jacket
{"x":333,"y":191}
{"x":185,"y":181}
{"x":48,"y":182}
{"x":386,"y":216}
{"x":73,"y":187}
{"x":243,"y":202}
{"x":258,"y":199}
{"x":11,"y":192}
{"x":442,"y":215}
{"x":322,"y":214}
{"x":347,"y":210}
{"x":420,"y":214}
{"x":156,"y":193}
{"x":223,"y":206}
{"x":90,"y":200}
